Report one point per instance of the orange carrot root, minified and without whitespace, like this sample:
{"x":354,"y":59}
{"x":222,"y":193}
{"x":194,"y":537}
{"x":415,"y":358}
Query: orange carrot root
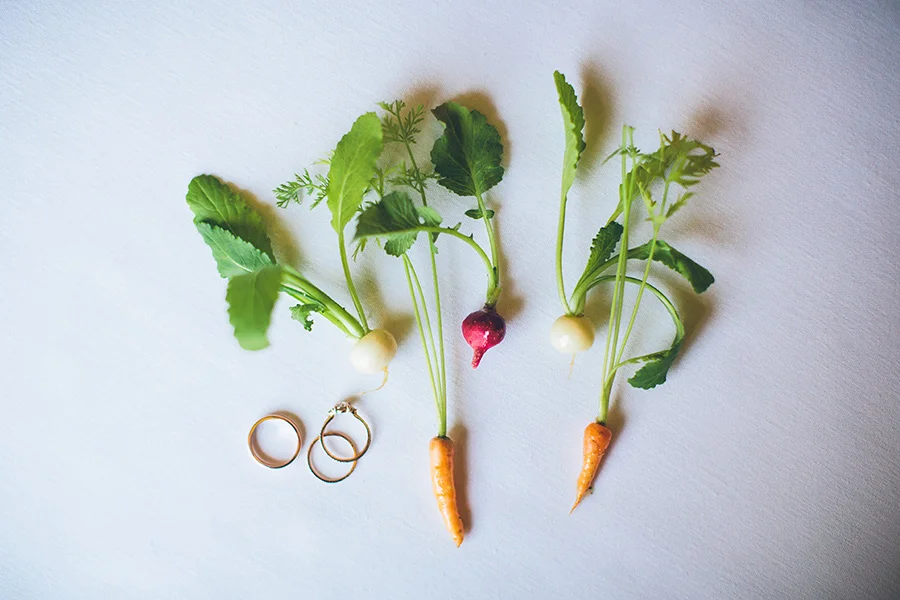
{"x":441,"y":450}
{"x":596,"y":441}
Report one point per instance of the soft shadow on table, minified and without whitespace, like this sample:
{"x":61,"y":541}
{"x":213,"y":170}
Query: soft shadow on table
{"x":696,"y":310}
{"x":596,"y":99}
{"x":282,"y":241}
{"x":615,"y":420}
{"x":723,"y":120}
{"x":399,"y":323}
{"x":460,"y":436}
{"x":511,"y":302}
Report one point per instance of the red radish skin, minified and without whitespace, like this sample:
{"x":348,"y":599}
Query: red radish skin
{"x":483,"y":329}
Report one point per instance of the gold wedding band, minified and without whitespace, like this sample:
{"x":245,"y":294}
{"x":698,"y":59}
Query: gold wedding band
{"x":313,"y":445}
{"x":344,"y":407}
{"x":264,"y":459}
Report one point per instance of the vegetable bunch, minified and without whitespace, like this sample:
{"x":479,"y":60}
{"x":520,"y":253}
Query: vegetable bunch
{"x":659,"y":182}
{"x":466,"y":161}
{"x":237,"y":236}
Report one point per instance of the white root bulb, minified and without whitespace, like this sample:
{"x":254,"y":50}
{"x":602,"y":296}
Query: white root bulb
{"x":374,"y":351}
{"x":571,"y":334}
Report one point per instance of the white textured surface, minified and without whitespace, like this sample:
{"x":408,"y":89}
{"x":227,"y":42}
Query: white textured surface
{"x":765,"y":468}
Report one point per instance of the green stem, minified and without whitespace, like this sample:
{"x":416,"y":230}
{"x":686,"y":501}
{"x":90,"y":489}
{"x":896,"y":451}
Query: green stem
{"x":440,"y":330}
{"x":560,"y":230}
{"x":640,"y":293}
{"x":294,"y":280}
{"x":492,"y":242}
{"x":299,"y":295}
{"x":493,"y":289}
{"x":610,"y":377}
{"x":615,"y":308}
{"x":491,"y":264}
{"x":350,"y":286}
{"x":439,"y":405}
{"x":432,"y":250}
{"x":427,"y":318}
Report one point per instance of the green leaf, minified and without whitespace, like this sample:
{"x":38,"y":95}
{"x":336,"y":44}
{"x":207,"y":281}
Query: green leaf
{"x":654,"y":371}
{"x":602,"y":247}
{"x":397,"y":219}
{"x":233,"y":255}
{"x":475,"y":213}
{"x":302,"y":312}
{"x":316,"y":187}
{"x":699,"y":278}
{"x":682,"y":200}
{"x":573,"y":117}
{"x":215,"y":203}
{"x":251,"y":298}
{"x":679,"y":160}
{"x":352,"y":168}
{"x":467,"y":156}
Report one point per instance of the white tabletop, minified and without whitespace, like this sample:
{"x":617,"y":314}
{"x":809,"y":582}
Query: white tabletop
{"x":766,"y":467}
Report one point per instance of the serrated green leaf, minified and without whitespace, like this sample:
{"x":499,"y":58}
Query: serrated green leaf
{"x":602,"y":247}
{"x":396,"y":219}
{"x":699,"y":278}
{"x":467,"y":156}
{"x":679,"y":160}
{"x":682,"y":200}
{"x":573,"y":117}
{"x":215,"y":203}
{"x":654,"y":371}
{"x":302,"y":312}
{"x":475,"y":213}
{"x":352,"y":168}
{"x":233,"y":255}
{"x":251,"y":298}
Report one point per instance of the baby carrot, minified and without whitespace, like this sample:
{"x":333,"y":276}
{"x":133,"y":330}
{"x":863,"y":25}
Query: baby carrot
{"x":441,"y":450}
{"x":596,"y":441}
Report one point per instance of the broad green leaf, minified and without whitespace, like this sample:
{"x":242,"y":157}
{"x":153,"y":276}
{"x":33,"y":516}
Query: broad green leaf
{"x":654,"y":371}
{"x":467,"y":156}
{"x":251,"y":298}
{"x":215,"y":203}
{"x":233,"y":255}
{"x":396,"y":219}
{"x":352,"y":168}
{"x":699,"y":278}
{"x":573,"y":117}
{"x":302,"y":313}
{"x":475,"y":213}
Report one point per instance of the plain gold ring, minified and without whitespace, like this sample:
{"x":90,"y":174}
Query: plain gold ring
{"x":265,"y":460}
{"x":313,"y":445}
{"x":344,"y":407}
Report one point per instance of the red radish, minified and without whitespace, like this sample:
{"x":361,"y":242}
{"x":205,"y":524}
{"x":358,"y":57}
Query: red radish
{"x":483,"y":329}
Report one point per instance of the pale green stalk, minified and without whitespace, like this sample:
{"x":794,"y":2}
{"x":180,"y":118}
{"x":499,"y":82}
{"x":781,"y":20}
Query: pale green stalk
{"x":560,"y":231}
{"x":350,"y":287}
{"x":439,"y":404}
{"x":294,"y":280}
